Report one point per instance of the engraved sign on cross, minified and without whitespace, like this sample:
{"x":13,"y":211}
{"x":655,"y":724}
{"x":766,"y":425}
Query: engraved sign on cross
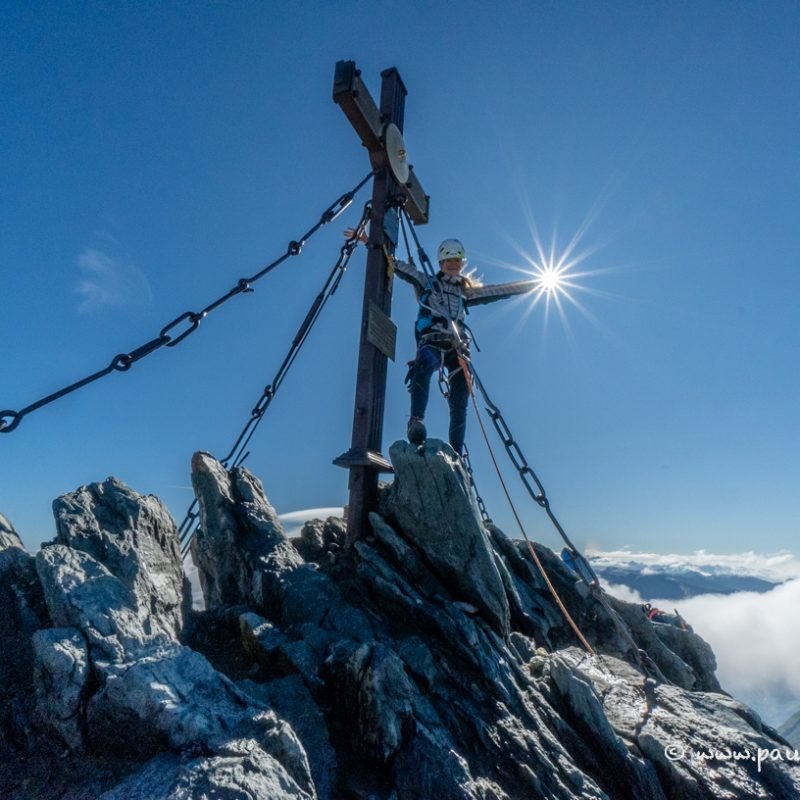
{"x":380,"y":129}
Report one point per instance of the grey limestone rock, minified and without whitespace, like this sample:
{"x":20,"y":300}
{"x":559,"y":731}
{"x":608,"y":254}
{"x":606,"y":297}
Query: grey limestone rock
{"x":291,"y":700}
{"x":431,"y":504}
{"x":82,"y":593}
{"x":369,"y":679}
{"x":8,"y":536}
{"x":790,"y":730}
{"x":60,"y":679}
{"x":117,"y":681}
{"x":240,"y":549}
{"x":680,"y":743}
{"x":22,"y":613}
{"x":262,"y":640}
{"x":683,"y":656}
{"x":430,"y":660}
{"x":242,"y":554}
{"x":695,"y":652}
{"x":173,"y":699}
{"x":241,"y":770}
{"x":322,"y":541}
{"x":136,"y":539}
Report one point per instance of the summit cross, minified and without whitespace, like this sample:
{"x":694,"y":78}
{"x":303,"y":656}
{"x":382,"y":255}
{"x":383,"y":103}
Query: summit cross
{"x":394,"y":185}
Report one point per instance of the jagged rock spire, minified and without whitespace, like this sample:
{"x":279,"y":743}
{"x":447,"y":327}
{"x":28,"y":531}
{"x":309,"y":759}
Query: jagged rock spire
{"x":429,"y":661}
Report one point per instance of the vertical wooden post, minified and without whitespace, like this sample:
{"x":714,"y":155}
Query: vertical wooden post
{"x":364,"y":459}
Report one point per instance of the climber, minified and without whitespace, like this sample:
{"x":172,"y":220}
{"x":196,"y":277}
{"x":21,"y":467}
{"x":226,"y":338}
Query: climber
{"x":442,"y":335}
{"x":657,"y":615}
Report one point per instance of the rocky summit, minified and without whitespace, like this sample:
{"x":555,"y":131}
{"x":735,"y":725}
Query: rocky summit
{"x":429,"y":661}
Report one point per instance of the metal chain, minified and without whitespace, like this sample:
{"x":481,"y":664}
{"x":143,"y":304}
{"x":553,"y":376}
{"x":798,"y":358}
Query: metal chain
{"x":528,"y":476}
{"x":427,"y":266}
{"x":187,"y":323}
{"x":402,"y":215}
{"x":531,"y":480}
{"x":444,"y":388}
{"x":465,"y":459}
{"x":238,"y":453}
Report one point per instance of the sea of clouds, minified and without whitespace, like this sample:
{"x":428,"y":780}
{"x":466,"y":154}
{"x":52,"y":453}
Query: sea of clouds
{"x":754,"y":635}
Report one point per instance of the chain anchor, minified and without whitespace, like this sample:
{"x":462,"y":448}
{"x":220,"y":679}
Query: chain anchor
{"x":14,"y":416}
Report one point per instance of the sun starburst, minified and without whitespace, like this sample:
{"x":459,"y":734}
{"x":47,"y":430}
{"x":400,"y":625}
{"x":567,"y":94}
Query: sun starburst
{"x":549,"y":278}
{"x":558,"y":276}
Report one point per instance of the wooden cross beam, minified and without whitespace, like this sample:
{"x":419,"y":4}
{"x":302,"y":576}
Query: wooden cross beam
{"x":380,"y":130}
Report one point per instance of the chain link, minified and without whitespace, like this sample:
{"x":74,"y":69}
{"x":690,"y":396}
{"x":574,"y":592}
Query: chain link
{"x":189,"y":321}
{"x":238,"y":453}
{"x":534,"y":487}
{"x":444,"y":388}
{"x":465,"y":459}
{"x":529,"y":478}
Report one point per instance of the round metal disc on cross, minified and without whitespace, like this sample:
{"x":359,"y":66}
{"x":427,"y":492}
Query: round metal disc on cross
{"x":396,"y":152}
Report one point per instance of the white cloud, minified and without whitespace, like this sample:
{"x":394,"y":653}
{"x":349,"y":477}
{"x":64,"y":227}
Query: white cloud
{"x":756,"y":640}
{"x":774,"y":567}
{"x":109,"y":281}
{"x":293,"y":521}
{"x":621,"y":592}
{"x":754,"y":635}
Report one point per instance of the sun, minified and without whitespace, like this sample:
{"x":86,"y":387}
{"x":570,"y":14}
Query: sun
{"x":549,"y":278}
{"x":557,"y":278}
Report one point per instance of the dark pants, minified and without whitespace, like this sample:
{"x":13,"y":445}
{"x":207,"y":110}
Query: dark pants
{"x":429,"y":359}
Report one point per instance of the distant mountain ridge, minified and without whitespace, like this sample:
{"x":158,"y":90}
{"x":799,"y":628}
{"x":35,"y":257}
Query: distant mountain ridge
{"x":678,"y":584}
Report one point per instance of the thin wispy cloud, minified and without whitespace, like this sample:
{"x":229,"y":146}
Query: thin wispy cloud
{"x":109,"y":282}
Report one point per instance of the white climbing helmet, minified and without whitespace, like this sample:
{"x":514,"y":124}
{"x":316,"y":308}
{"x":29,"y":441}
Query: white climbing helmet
{"x":451,"y":248}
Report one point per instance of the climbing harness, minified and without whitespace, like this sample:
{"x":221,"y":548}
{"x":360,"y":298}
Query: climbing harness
{"x":239,"y":452}
{"x":188,"y":322}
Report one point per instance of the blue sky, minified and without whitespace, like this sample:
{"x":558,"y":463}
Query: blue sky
{"x":155,"y":153}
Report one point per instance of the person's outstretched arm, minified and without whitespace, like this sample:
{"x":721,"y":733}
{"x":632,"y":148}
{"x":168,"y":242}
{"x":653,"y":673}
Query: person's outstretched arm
{"x":478,"y":295}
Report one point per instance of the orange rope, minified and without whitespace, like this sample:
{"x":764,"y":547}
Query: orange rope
{"x":535,"y":557}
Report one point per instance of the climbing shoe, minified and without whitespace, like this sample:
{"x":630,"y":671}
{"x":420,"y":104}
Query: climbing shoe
{"x":416,"y":431}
